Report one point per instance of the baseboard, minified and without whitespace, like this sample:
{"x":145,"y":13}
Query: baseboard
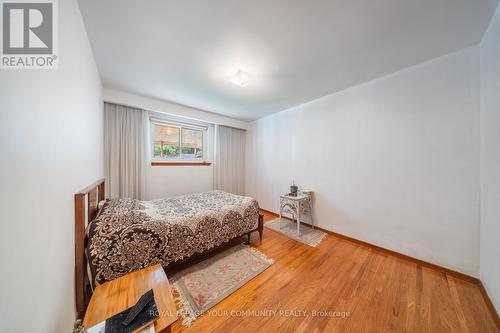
{"x":459,"y":275}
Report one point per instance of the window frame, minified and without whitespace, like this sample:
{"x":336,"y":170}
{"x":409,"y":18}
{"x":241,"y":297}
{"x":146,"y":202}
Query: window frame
{"x":156,"y":161}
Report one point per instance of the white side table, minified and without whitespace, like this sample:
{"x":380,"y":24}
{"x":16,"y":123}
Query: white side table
{"x":300,"y":204}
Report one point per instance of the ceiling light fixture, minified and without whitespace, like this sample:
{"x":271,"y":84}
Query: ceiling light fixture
{"x":240,"y":78}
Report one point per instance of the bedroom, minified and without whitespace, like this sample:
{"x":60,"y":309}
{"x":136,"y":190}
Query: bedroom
{"x":172,"y":135}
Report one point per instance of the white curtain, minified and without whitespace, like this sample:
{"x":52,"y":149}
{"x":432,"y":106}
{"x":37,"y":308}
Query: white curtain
{"x":125,"y":151}
{"x":229,"y":165}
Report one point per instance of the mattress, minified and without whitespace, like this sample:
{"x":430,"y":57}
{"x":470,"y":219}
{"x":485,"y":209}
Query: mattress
{"x":129,"y":234}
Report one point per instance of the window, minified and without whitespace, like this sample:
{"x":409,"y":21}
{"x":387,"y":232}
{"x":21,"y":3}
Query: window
{"x":174,"y":142}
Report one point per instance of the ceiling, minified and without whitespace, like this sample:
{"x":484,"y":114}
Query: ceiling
{"x":294,"y":51}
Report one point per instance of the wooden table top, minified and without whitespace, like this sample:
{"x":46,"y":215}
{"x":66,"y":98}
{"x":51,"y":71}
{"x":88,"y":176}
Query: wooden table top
{"x":117,"y":295}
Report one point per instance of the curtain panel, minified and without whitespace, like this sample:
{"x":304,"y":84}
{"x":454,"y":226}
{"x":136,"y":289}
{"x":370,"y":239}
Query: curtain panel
{"x":229,"y":164}
{"x":126,"y":147}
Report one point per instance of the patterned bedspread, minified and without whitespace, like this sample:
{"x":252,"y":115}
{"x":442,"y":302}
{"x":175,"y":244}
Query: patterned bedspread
{"x":130,"y":234}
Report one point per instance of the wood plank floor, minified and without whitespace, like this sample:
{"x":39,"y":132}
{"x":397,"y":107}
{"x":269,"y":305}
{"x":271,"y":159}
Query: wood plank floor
{"x":381,"y":293}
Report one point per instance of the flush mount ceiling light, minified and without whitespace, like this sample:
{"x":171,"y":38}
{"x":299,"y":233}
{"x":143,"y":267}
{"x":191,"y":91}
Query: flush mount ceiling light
{"x":240,"y":78}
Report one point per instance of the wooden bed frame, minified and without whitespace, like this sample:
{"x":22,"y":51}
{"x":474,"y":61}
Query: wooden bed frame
{"x":86,"y":207}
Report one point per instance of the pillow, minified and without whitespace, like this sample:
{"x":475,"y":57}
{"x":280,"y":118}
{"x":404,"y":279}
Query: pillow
{"x":101,"y":204}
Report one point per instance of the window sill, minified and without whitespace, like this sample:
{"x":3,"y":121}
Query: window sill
{"x":181,"y":163}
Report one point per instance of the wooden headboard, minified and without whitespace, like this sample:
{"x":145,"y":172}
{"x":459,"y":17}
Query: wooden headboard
{"x":86,"y":202}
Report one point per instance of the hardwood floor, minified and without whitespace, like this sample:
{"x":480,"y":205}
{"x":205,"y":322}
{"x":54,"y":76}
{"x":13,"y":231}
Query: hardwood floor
{"x":380,"y":292}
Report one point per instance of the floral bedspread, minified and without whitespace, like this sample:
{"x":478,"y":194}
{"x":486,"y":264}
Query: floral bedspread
{"x":129,"y":234}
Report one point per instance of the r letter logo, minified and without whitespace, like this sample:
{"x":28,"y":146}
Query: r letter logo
{"x":29,"y":34}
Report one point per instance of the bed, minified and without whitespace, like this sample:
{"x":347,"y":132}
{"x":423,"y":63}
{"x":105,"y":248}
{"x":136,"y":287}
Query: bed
{"x":124,"y":235}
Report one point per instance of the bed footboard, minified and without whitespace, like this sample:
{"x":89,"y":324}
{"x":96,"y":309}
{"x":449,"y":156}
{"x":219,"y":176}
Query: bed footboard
{"x":86,"y":203}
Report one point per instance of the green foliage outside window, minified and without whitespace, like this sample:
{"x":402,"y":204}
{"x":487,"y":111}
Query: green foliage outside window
{"x":168,"y":150}
{"x":156,"y":150}
{"x":171,"y":151}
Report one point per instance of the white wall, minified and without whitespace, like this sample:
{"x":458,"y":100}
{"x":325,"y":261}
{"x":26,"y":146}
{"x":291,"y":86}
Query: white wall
{"x":490,"y":160}
{"x":50,"y":148}
{"x":393,"y":162}
{"x":170,"y":181}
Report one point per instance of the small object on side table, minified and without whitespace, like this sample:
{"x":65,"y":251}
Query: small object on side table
{"x":293,"y":189}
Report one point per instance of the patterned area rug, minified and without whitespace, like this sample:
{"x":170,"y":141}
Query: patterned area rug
{"x":205,"y":284}
{"x":308,"y":236}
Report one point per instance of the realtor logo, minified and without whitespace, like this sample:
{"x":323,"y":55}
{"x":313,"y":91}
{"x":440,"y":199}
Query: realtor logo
{"x":29,"y":34}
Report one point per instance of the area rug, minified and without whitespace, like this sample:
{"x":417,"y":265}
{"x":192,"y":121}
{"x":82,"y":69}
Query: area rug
{"x":205,"y":284}
{"x":308,"y":236}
